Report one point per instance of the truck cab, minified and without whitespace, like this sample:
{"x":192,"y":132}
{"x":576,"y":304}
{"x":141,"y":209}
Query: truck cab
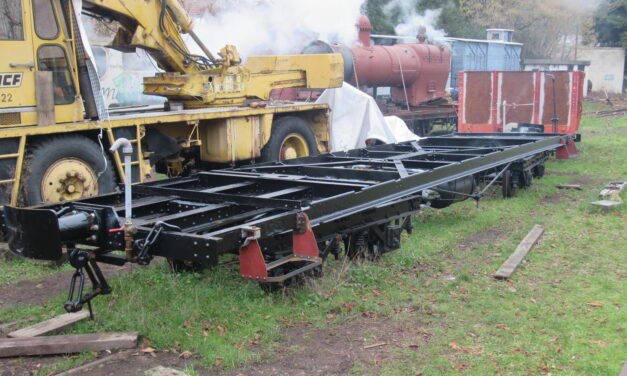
{"x":37,"y":38}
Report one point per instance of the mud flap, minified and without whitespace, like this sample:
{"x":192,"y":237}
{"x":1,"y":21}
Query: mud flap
{"x":33,"y":233}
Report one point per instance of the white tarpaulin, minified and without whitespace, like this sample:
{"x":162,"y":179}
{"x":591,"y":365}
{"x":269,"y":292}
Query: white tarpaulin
{"x":355,"y":118}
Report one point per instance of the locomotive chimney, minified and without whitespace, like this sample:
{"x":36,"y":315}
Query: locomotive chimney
{"x":422,"y":34}
{"x":365,"y":28}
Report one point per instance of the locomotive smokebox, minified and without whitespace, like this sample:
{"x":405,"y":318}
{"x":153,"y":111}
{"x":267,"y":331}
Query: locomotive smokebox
{"x":416,"y":72}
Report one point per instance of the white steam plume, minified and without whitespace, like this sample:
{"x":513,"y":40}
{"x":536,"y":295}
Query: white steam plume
{"x":262,"y":27}
{"x":411,"y":21}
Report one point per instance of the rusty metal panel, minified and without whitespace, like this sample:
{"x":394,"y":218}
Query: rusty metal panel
{"x":478,"y":86}
{"x":500,"y":101}
{"x":518,"y":92}
{"x":562,"y":88}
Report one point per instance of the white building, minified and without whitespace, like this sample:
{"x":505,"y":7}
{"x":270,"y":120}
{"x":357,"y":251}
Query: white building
{"x":554,"y":65}
{"x":606,"y":69}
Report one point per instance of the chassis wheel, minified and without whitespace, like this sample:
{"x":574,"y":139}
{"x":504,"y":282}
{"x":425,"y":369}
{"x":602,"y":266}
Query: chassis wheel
{"x":65,"y":168}
{"x":291,"y":138}
{"x":360,"y":246}
{"x":507,"y":185}
{"x":538,"y":171}
{"x":526,"y":179}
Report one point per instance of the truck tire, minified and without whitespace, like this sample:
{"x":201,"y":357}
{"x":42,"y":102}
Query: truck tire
{"x":291,"y":138}
{"x":65,"y":168}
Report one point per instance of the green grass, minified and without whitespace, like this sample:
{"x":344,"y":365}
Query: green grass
{"x":539,"y":322}
{"x":15,"y":270}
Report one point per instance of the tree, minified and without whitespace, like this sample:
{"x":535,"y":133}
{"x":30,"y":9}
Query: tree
{"x":547,"y":28}
{"x":457,"y":24}
{"x":610,"y":23}
{"x":381,"y":23}
{"x":451,"y":19}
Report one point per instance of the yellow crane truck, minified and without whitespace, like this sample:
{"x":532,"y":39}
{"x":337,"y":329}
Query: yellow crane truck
{"x":55,"y":128}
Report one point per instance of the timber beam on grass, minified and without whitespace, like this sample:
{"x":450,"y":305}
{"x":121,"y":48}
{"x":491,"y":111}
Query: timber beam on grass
{"x":509,"y":266}
{"x":66,"y":344}
{"x":569,"y":186}
{"x":281,"y":218}
{"x":53,"y":325}
{"x":606,"y":205}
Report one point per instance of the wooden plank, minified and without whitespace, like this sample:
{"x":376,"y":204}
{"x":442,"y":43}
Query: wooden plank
{"x":509,"y":266}
{"x":54,"y":325}
{"x":45,"y":98}
{"x":569,"y":186}
{"x":66,"y":344}
{"x":606,"y":205}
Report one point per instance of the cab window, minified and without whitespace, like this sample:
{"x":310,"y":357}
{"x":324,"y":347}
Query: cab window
{"x":52,"y":58}
{"x":11,"y":25}
{"x":46,"y":25}
{"x":101,"y":60}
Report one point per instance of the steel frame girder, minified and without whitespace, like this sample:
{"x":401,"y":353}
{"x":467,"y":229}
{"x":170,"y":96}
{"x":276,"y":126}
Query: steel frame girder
{"x":211,"y":208}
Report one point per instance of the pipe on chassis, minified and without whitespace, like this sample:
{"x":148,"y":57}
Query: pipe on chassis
{"x":129,"y":230}
{"x":127,"y":152}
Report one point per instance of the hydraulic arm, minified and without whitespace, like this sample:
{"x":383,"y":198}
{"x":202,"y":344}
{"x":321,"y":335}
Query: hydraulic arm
{"x":199,"y":81}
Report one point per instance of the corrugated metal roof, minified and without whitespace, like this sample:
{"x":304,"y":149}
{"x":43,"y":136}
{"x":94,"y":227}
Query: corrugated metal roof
{"x":555,"y":62}
{"x":479,"y":41}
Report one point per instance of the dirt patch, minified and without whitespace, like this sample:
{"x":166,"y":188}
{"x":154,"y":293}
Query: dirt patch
{"x":488,"y":236}
{"x":124,"y":364}
{"x":560,"y":173}
{"x":554,"y":199}
{"x":40,"y":291}
{"x":589,"y":180}
{"x":365,"y":342}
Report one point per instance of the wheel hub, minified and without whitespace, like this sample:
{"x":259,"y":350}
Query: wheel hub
{"x":294,"y":146}
{"x":68,"y":179}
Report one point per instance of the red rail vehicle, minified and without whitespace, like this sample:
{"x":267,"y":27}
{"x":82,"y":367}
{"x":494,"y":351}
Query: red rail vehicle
{"x":503,"y":102}
{"x":415,"y":73}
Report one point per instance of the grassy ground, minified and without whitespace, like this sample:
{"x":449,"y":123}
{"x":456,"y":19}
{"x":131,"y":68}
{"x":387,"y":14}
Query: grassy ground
{"x":15,"y":270}
{"x":563,"y":313}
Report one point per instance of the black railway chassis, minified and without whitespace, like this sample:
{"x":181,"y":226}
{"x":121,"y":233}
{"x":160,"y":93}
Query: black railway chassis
{"x":281,"y":218}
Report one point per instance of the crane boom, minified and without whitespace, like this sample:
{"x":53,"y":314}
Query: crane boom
{"x":200,"y":81}
{"x":154,"y":26}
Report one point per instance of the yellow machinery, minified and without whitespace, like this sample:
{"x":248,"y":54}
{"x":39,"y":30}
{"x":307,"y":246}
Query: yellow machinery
{"x":54,"y":127}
